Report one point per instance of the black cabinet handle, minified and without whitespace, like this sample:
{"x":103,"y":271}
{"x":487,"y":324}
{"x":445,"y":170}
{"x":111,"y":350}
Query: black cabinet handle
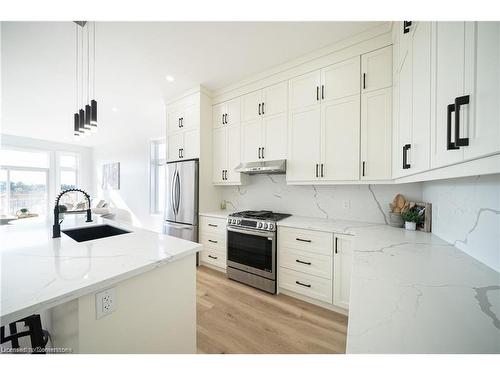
{"x":322,"y":91}
{"x":302,"y":240}
{"x":363,"y":172}
{"x":212,"y":241}
{"x":262,"y":153}
{"x":306,"y":285}
{"x":210,"y":256}
{"x":180,"y":153}
{"x":460,"y":101}
{"x":260,"y":104}
{"x":405,"y":156}
{"x":213,"y":225}
{"x":449,"y":144}
{"x":225,"y":174}
{"x":364,"y":81}
{"x":317,"y":92}
{"x":322,"y":170}
{"x":262,"y":108}
{"x":317,"y":166}
{"x":406,"y":27}
{"x":225,"y":118}
{"x":259,"y":152}
{"x":179,"y":121}
{"x":336,"y":245}
{"x":302,"y":262}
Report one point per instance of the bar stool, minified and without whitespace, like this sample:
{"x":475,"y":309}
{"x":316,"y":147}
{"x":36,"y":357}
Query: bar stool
{"x":38,"y":336}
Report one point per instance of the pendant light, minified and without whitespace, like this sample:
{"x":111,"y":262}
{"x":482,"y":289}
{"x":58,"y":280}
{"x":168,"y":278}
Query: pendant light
{"x":87,"y":106}
{"x":93,"y":102}
{"x":76,"y":128}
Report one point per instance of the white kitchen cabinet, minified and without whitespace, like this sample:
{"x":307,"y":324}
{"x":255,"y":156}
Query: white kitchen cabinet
{"x":226,"y":155}
{"x":227,"y":113}
{"x":303,"y":91}
{"x":184,"y":145}
{"x":376,"y":69}
{"x":376,"y":133}
{"x":213,"y":238}
{"x":174,"y":145}
{"x":413,"y":104}
{"x":484,"y":129}
{"x":342,"y":263}
{"x":340,"y":80}
{"x":264,"y":117}
{"x":340,"y":132}
{"x":183,"y":115}
{"x":304,"y":144}
{"x":218,"y":115}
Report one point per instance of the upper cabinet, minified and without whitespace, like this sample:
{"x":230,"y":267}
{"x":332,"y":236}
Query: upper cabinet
{"x":376,"y":69}
{"x":227,"y":113}
{"x":264,"y":124}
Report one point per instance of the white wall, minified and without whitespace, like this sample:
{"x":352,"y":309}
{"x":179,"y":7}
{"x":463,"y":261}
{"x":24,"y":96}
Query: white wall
{"x":466,"y":212}
{"x":133,"y":195}
{"x":366,"y":202}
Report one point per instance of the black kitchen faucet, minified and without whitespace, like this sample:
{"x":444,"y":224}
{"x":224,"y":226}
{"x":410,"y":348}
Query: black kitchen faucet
{"x":56,"y":228}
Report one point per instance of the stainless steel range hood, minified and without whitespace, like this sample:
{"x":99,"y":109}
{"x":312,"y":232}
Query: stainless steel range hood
{"x":263,"y":167}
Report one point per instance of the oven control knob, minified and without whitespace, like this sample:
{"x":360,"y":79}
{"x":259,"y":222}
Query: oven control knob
{"x":259,"y":225}
{"x":265,"y":226}
{"x":238,"y":221}
{"x":271,"y":226}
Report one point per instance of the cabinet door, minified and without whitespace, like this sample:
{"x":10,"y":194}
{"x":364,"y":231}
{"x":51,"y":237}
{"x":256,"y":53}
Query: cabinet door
{"x":419,"y":154}
{"x":251,"y":106}
{"x":450,"y":67}
{"x":404,"y":113}
{"x":173,"y":119}
{"x":376,"y":115}
{"x":175,"y":143}
{"x":304,"y":144}
{"x":251,"y":140}
{"x":376,"y":69}
{"x":303,"y":91}
{"x":484,"y":132}
{"x":233,"y":112}
{"x":342,"y":264}
{"x":275,"y":136}
{"x":233,"y":153}
{"x":340,"y":80}
{"x":191,"y":146}
{"x":219,"y":153}
{"x":274,"y":99}
{"x":218,"y":112}
{"x":190,"y":115}
{"x":340,"y":138}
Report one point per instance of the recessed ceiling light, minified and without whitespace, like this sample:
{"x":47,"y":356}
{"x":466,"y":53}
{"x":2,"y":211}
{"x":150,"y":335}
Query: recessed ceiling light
{"x":169,"y":78}
{"x":114,"y":109}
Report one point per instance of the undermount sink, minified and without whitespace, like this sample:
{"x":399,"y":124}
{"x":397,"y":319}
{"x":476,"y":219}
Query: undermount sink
{"x":94,"y":232}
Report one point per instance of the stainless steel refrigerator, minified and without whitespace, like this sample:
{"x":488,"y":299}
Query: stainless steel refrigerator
{"x":181,"y":211}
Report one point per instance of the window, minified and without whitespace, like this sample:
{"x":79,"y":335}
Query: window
{"x":157,"y":176}
{"x":24,"y":181}
{"x":68,"y":179}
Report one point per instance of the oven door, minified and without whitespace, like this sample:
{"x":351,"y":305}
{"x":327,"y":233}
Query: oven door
{"x":253,"y":251}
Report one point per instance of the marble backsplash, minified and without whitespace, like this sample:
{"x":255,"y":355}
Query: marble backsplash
{"x":466,"y":212}
{"x":348,"y":202}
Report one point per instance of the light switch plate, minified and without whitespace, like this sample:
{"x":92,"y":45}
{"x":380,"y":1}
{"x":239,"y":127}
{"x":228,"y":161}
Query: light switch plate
{"x":105,"y":302}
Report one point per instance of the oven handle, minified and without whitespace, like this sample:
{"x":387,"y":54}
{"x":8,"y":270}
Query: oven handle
{"x":270,"y":235}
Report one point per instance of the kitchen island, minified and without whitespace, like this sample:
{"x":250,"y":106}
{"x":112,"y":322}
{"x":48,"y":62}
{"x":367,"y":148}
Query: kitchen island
{"x":153,"y":278}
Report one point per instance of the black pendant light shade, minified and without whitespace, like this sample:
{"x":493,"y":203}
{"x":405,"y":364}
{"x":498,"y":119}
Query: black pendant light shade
{"x":77,"y":125}
{"x":87,"y":117}
{"x":82,"y":121}
{"x":93,"y":118}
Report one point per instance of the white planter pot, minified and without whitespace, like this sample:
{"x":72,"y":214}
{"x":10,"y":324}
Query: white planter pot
{"x":409,"y":225}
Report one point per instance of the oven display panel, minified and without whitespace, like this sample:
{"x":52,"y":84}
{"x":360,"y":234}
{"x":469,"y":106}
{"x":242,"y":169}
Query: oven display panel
{"x":249,"y":223}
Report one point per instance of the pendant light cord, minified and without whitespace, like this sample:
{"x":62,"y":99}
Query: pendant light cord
{"x":93,"y":56}
{"x":88,"y":63}
{"x":76,"y":65}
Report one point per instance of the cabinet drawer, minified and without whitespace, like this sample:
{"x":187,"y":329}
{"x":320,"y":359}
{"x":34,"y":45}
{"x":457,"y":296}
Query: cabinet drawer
{"x":212,"y":225}
{"x":306,"y":262}
{"x":213,"y":257}
{"x":307,"y":285}
{"x":306,"y":240}
{"x":213,"y":241}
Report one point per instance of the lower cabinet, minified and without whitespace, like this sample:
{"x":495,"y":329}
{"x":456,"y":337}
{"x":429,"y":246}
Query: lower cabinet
{"x":213,"y":238}
{"x":315,"y":264}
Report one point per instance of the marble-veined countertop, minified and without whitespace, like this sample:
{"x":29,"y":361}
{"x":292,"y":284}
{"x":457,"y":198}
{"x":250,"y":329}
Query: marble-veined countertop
{"x":220,"y":214}
{"x":39,"y":272}
{"x":412,"y":292}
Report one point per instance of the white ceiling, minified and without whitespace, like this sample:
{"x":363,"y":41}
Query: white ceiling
{"x":133,"y":58}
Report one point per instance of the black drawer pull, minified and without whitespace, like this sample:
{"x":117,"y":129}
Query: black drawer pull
{"x":213,"y":241}
{"x":302,"y":262}
{"x":213,"y":225}
{"x":449,"y":144}
{"x":317,"y":93}
{"x":210,"y":256}
{"x":298,"y":282}
{"x":302,"y":240}
{"x":260,"y":105}
{"x":406,"y":27}
{"x":461,"y":100}
{"x":406,"y":165}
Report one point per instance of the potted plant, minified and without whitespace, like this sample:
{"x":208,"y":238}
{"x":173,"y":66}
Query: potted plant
{"x":23,"y":212}
{"x":411,"y":218}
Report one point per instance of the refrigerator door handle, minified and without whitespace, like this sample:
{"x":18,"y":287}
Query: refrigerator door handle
{"x":177,"y":193}
{"x":172,"y":192}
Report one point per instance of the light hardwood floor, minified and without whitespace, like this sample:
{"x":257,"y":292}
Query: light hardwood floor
{"x":235,"y":318}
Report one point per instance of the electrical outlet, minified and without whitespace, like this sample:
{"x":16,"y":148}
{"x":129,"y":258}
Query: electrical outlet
{"x":105,"y":302}
{"x":347,"y":204}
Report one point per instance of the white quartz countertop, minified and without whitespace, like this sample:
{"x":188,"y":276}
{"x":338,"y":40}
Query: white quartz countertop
{"x":412,"y":292}
{"x":39,"y":272}
{"x":221,"y":214}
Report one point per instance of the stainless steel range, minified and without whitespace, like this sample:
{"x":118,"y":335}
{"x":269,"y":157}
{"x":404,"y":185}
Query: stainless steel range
{"x":251,"y":248}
